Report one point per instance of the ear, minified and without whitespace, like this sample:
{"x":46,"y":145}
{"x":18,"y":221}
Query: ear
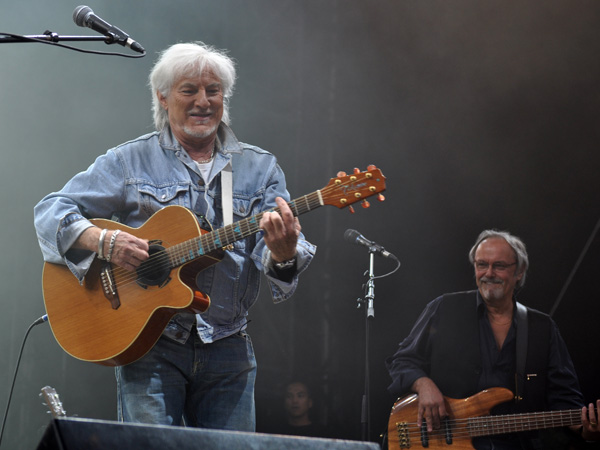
{"x":162,"y":99}
{"x":519,"y":275}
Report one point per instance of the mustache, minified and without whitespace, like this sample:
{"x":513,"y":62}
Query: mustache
{"x":491,"y":280}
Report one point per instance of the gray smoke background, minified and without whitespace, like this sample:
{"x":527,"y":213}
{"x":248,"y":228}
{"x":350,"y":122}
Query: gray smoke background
{"x":480,"y":114}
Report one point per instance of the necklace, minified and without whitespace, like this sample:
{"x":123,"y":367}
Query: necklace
{"x":207,"y":160}
{"x":499,"y":322}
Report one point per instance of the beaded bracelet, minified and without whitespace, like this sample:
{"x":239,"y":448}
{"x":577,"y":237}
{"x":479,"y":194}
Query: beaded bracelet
{"x":111,"y":246}
{"x":101,"y":244}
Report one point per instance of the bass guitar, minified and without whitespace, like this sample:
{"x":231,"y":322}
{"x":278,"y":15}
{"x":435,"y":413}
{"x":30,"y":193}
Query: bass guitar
{"x":116,"y":316}
{"x":467,"y":418}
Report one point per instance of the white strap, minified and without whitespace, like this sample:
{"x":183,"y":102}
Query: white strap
{"x":227,"y":194}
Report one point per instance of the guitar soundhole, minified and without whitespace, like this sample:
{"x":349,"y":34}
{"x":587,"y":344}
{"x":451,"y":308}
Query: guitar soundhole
{"x":155,"y":270}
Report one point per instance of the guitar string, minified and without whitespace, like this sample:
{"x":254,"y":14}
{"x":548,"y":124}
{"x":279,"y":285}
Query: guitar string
{"x":161,"y":259}
{"x":527,"y":420}
{"x":487,"y":425}
{"x":465,"y":433}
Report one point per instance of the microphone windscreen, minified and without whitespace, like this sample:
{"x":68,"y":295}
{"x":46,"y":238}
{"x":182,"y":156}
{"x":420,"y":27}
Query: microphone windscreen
{"x":351,"y":235}
{"x":80,"y":13}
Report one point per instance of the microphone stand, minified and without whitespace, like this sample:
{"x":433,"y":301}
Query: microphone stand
{"x":365,"y":419}
{"x":51,"y":36}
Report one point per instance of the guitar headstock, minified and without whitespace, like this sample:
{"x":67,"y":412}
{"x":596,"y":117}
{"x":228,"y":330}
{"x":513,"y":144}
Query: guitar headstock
{"x":344,"y":190}
{"x":53,"y":402}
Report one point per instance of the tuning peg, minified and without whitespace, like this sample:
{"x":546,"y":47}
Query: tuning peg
{"x":381,"y":197}
{"x":356,"y":170}
{"x":341,"y":173}
{"x":365,"y":204}
{"x":351,"y":209}
{"x":371,"y":167}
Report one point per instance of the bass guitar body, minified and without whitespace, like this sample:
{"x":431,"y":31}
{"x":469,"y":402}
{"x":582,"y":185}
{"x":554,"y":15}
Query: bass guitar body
{"x":469,"y":418}
{"x":455,"y":432}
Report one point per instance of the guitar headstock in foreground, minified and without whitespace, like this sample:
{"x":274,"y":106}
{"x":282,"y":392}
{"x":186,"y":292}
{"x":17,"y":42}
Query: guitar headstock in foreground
{"x":54,"y":404}
{"x":344,"y":190}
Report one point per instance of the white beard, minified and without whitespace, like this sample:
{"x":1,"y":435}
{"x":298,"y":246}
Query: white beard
{"x":200,"y":134}
{"x":492,"y":291}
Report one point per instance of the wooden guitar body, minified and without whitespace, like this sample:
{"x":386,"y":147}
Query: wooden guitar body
{"x":404,"y":433}
{"x":468,"y":418}
{"x":83,"y":320}
{"x":116,"y":316}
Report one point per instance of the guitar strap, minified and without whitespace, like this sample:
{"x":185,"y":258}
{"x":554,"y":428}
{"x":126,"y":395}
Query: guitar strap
{"x":227,"y":194}
{"x":522,"y":334}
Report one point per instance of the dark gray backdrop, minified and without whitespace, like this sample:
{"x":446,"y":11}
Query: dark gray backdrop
{"x":480,"y":114}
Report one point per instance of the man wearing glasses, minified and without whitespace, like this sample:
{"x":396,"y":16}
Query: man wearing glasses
{"x":466,"y":342}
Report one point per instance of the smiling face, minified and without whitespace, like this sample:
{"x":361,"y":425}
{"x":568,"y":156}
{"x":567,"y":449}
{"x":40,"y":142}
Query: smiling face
{"x":195,"y":109}
{"x":498,"y":280}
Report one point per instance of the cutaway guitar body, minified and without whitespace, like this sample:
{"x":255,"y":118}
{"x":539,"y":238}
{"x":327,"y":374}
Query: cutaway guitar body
{"x":92,"y":327}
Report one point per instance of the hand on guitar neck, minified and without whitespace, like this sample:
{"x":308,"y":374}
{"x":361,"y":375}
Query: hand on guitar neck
{"x":118,"y":313}
{"x":432,"y":409}
{"x":590,"y":430}
{"x":281,"y":231}
{"x":470,"y":417}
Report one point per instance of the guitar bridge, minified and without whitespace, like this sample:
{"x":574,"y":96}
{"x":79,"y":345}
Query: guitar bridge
{"x":403,"y":435}
{"x":109,"y":286}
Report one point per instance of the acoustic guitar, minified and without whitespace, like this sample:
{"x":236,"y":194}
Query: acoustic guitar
{"x":116,"y":316}
{"x":467,"y":418}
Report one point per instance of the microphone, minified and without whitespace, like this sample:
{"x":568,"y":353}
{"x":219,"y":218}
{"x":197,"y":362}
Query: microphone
{"x":83,"y":16}
{"x":355,"y":237}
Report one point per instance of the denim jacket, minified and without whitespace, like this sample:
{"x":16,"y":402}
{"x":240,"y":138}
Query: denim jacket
{"x":134,"y":180}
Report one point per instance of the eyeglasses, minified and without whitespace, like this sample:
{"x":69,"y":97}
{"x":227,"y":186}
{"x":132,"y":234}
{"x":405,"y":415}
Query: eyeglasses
{"x":496,"y":267}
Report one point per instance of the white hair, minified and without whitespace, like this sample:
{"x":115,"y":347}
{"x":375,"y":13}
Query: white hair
{"x":189,"y":59}
{"x":515,"y":243}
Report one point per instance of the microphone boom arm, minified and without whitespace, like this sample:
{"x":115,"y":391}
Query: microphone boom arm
{"x":48,"y":36}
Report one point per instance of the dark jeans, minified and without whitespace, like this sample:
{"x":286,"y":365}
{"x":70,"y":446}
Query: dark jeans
{"x":206,"y":385}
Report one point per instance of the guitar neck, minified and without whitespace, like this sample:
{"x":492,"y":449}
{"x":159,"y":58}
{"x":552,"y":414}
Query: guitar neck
{"x":195,"y":248}
{"x":512,"y":423}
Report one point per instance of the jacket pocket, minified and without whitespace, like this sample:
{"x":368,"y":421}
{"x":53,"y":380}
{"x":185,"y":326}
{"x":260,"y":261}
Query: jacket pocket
{"x":245,"y":207}
{"x":153,"y":198}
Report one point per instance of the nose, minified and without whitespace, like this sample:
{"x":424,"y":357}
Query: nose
{"x":490,"y":271}
{"x":201,"y":99}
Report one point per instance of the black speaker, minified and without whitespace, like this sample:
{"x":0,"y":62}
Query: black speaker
{"x":87,"y":434}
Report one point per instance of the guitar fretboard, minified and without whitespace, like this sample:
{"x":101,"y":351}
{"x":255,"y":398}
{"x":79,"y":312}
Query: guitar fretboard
{"x":488,"y":425}
{"x":192,"y":249}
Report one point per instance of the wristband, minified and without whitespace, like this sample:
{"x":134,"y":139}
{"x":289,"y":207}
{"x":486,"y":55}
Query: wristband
{"x":283,"y":265}
{"x":101,"y":244}
{"x":111,"y":246}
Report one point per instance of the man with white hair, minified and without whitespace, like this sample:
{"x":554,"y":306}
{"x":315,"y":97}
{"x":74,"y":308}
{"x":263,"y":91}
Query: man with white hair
{"x":201,"y":371}
{"x":466,"y":342}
